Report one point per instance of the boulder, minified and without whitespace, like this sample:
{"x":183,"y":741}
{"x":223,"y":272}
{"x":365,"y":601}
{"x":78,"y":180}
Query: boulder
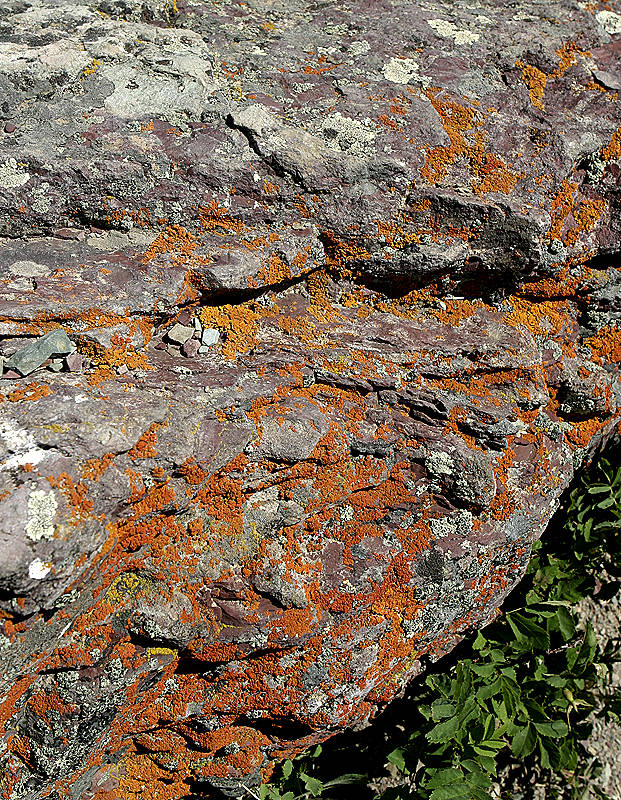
{"x":397,"y":227}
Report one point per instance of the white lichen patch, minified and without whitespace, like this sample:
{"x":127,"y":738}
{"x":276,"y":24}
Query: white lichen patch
{"x":38,"y":569}
{"x":18,"y":445}
{"x":348,"y":133}
{"x":610,"y":21}
{"x":42,"y":201}
{"x":401,"y":70}
{"x":12,"y":175}
{"x":448,"y":30}
{"x":457,"y":524}
{"x":29,"y":269}
{"x":359,"y":48}
{"x":42,"y":507}
{"x":439,"y":463}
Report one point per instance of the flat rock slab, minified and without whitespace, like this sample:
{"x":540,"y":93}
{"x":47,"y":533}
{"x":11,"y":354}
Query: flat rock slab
{"x":344,"y":287}
{"x":37,"y":351}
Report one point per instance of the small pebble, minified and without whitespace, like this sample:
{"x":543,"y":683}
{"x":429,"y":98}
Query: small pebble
{"x":74,"y":362}
{"x":184,"y":317}
{"x":56,"y":365}
{"x":197,"y":324}
{"x":9,"y":127}
{"x":210,"y":336}
{"x":191,"y":348}
{"x":123,"y":369}
{"x":11,"y":374}
{"x":179,"y":334}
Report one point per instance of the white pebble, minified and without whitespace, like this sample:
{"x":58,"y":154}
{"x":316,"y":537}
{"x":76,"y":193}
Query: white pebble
{"x":210,"y":336}
{"x":39,"y":569}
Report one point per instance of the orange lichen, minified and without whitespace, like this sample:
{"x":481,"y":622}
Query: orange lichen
{"x":568,"y":56}
{"x":94,"y":468}
{"x":340,"y":254}
{"x":612,"y":151}
{"x":463,"y":128}
{"x":76,"y":494}
{"x":582,"y":432}
{"x":543,"y":318}
{"x":175,"y":241}
{"x":145,"y":445}
{"x":276,"y":272}
{"x":123,"y":355}
{"x":569,"y":203}
{"x":320,"y":65}
{"x":606,"y":345}
{"x":42,"y":704}
{"x":32,"y":391}
{"x":535,"y":81}
{"x":216,"y":218}
{"x":239,"y":325}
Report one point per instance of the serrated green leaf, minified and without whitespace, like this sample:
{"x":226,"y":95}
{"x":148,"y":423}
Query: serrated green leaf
{"x":524,"y":741}
{"x":492,"y":744}
{"x":489,"y":690}
{"x":454,"y":792}
{"x":479,"y":779}
{"x":441,"y":709}
{"x":555,"y":729}
{"x":312,"y":785}
{"x":397,"y":758}
{"x":444,"y":777}
{"x":443,"y":731}
{"x":483,"y":670}
{"x":488,"y":763}
{"x":287,"y":768}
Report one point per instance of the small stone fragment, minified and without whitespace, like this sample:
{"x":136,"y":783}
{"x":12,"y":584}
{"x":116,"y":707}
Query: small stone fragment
{"x":191,"y":348}
{"x":36,"y":352}
{"x":38,"y":569}
{"x":74,"y":362}
{"x":9,"y":127}
{"x":197,"y":324}
{"x":179,"y":334}
{"x":122,"y":369}
{"x":10,"y":374}
{"x":56,"y":365}
{"x":210,"y":336}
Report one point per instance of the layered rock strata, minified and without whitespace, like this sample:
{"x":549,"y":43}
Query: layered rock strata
{"x":309,"y":312}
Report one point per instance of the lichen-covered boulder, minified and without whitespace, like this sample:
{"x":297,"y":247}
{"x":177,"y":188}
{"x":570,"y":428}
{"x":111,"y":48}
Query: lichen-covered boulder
{"x":308,"y":314}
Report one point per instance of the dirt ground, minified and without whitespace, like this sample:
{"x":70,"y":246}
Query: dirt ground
{"x":605,"y":741}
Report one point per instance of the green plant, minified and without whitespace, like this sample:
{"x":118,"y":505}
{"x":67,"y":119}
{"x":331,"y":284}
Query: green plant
{"x":518,"y":698}
{"x":304,"y":785}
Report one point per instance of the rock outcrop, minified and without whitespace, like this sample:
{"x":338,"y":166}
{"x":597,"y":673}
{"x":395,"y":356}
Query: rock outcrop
{"x":309,"y":312}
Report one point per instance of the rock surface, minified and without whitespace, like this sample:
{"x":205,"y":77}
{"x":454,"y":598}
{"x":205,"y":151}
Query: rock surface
{"x":403,"y":225}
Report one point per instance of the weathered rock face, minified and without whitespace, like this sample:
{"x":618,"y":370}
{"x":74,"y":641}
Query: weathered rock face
{"x":341,"y":289}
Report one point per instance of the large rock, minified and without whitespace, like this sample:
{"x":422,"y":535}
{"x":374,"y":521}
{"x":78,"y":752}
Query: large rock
{"x":399,"y":224}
